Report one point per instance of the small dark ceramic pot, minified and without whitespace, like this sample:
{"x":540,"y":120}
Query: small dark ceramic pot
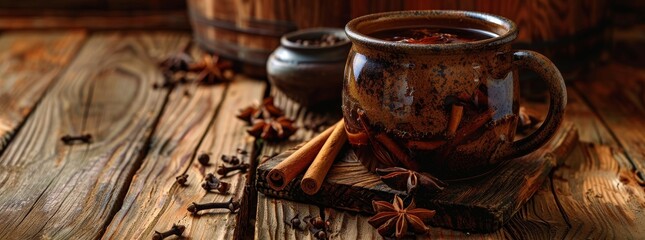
{"x":311,"y":75}
{"x":447,"y":109}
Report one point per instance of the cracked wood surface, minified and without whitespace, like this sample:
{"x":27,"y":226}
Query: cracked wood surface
{"x":52,"y":190}
{"x":200,"y":123}
{"x":29,"y":65}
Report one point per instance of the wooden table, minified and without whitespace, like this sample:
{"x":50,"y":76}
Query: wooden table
{"x":122,"y":185}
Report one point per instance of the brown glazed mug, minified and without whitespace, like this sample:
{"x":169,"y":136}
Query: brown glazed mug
{"x":447,"y":109}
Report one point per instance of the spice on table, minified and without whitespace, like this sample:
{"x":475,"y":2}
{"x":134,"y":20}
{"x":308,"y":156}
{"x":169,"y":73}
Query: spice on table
{"x":204,"y":159}
{"x":273,"y":130}
{"x":410,"y":181}
{"x":224,"y":170}
{"x":317,"y":222}
{"x":320,"y":234}
{"x":69,"y":140}
{"x":315,"y":174}
{"x":267,"y":121}
{"x":266,"y":110}
{"x":176,"y":230}
{"x":242,"y":151}
{"x":181,"y":69}
{"x":297,"y":162}
{"x":231,"y":205}
{"x":182,"y":179}
{"x":394,"y":220}
{"x":295,"y":222}
{"x":213,"y":183}
{"x":212,"y":69}
{"x":233,"y":160}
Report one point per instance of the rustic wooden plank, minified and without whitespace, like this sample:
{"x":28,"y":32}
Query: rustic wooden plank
{"x":190,"y":124}
{"x":539,"y":218}
{"x":543,"y":217}
{"x":181,"y":128}
{"x":591,"y":128}
{"x":274,"y":216}
{"x":52,"y":190}
{"x":272,"y":213}
{"x":616,"y":93}
{"x":599,"y":195}
{"x":29,"y":64}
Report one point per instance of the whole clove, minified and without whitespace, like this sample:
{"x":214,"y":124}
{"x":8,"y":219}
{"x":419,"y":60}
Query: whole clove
{"x":176,"y":230}
{"x":69,"y":140}
{"x":231,"y":205}
{"x":233,"y":160}
{"x":224,"y":170}
{"x":204,"y":159}
{"x":213,"y":183}
{"x":182,"y":179}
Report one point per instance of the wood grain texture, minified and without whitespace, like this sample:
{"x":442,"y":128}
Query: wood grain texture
{"x":29,"y":63}
{"x":52,"y":190}
{"x":203,"y":122}
{"x":274,"y":216}
{"x":599,"y":195}
{"x":272,"y":213}
{"x":556,"y":214}
{"x":581,"y":114}
{"x":616,"y":93}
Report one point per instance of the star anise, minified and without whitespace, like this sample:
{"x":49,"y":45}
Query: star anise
{"x":266,"y":110}
{"x":211,"y":69}
{"x":393,"y":220}
{"x":407,"y":180}
{"x":180,"y":69}
{"x":272,"y":129}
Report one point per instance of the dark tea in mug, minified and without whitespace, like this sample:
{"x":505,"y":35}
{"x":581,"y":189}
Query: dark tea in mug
{"x":433,"y":35}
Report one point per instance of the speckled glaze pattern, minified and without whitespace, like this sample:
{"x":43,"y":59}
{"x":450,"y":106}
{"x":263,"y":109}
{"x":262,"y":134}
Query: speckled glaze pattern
{"x":405,"y":91}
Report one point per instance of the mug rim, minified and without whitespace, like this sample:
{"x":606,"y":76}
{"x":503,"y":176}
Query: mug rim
{"x":358,"y":38}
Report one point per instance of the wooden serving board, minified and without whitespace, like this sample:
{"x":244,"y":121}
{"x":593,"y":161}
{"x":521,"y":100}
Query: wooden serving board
{"x":481,"y":204}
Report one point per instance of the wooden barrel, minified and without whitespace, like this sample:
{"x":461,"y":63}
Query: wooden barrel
{"x":249,"y":30}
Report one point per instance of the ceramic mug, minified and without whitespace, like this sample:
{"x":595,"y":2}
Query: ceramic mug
{"x":447,"y":109}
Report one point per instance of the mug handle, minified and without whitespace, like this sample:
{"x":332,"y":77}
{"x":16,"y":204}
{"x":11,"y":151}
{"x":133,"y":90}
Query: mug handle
{"x":547,"y":71}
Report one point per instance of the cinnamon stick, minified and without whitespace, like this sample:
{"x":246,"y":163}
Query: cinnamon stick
{"x":297,"y":162}
{"x":316,"y":173}
{"x":425,"y":145}
{"x":468,"y":130}
{"x":359,"y":138}
{"x":456,"y":113}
